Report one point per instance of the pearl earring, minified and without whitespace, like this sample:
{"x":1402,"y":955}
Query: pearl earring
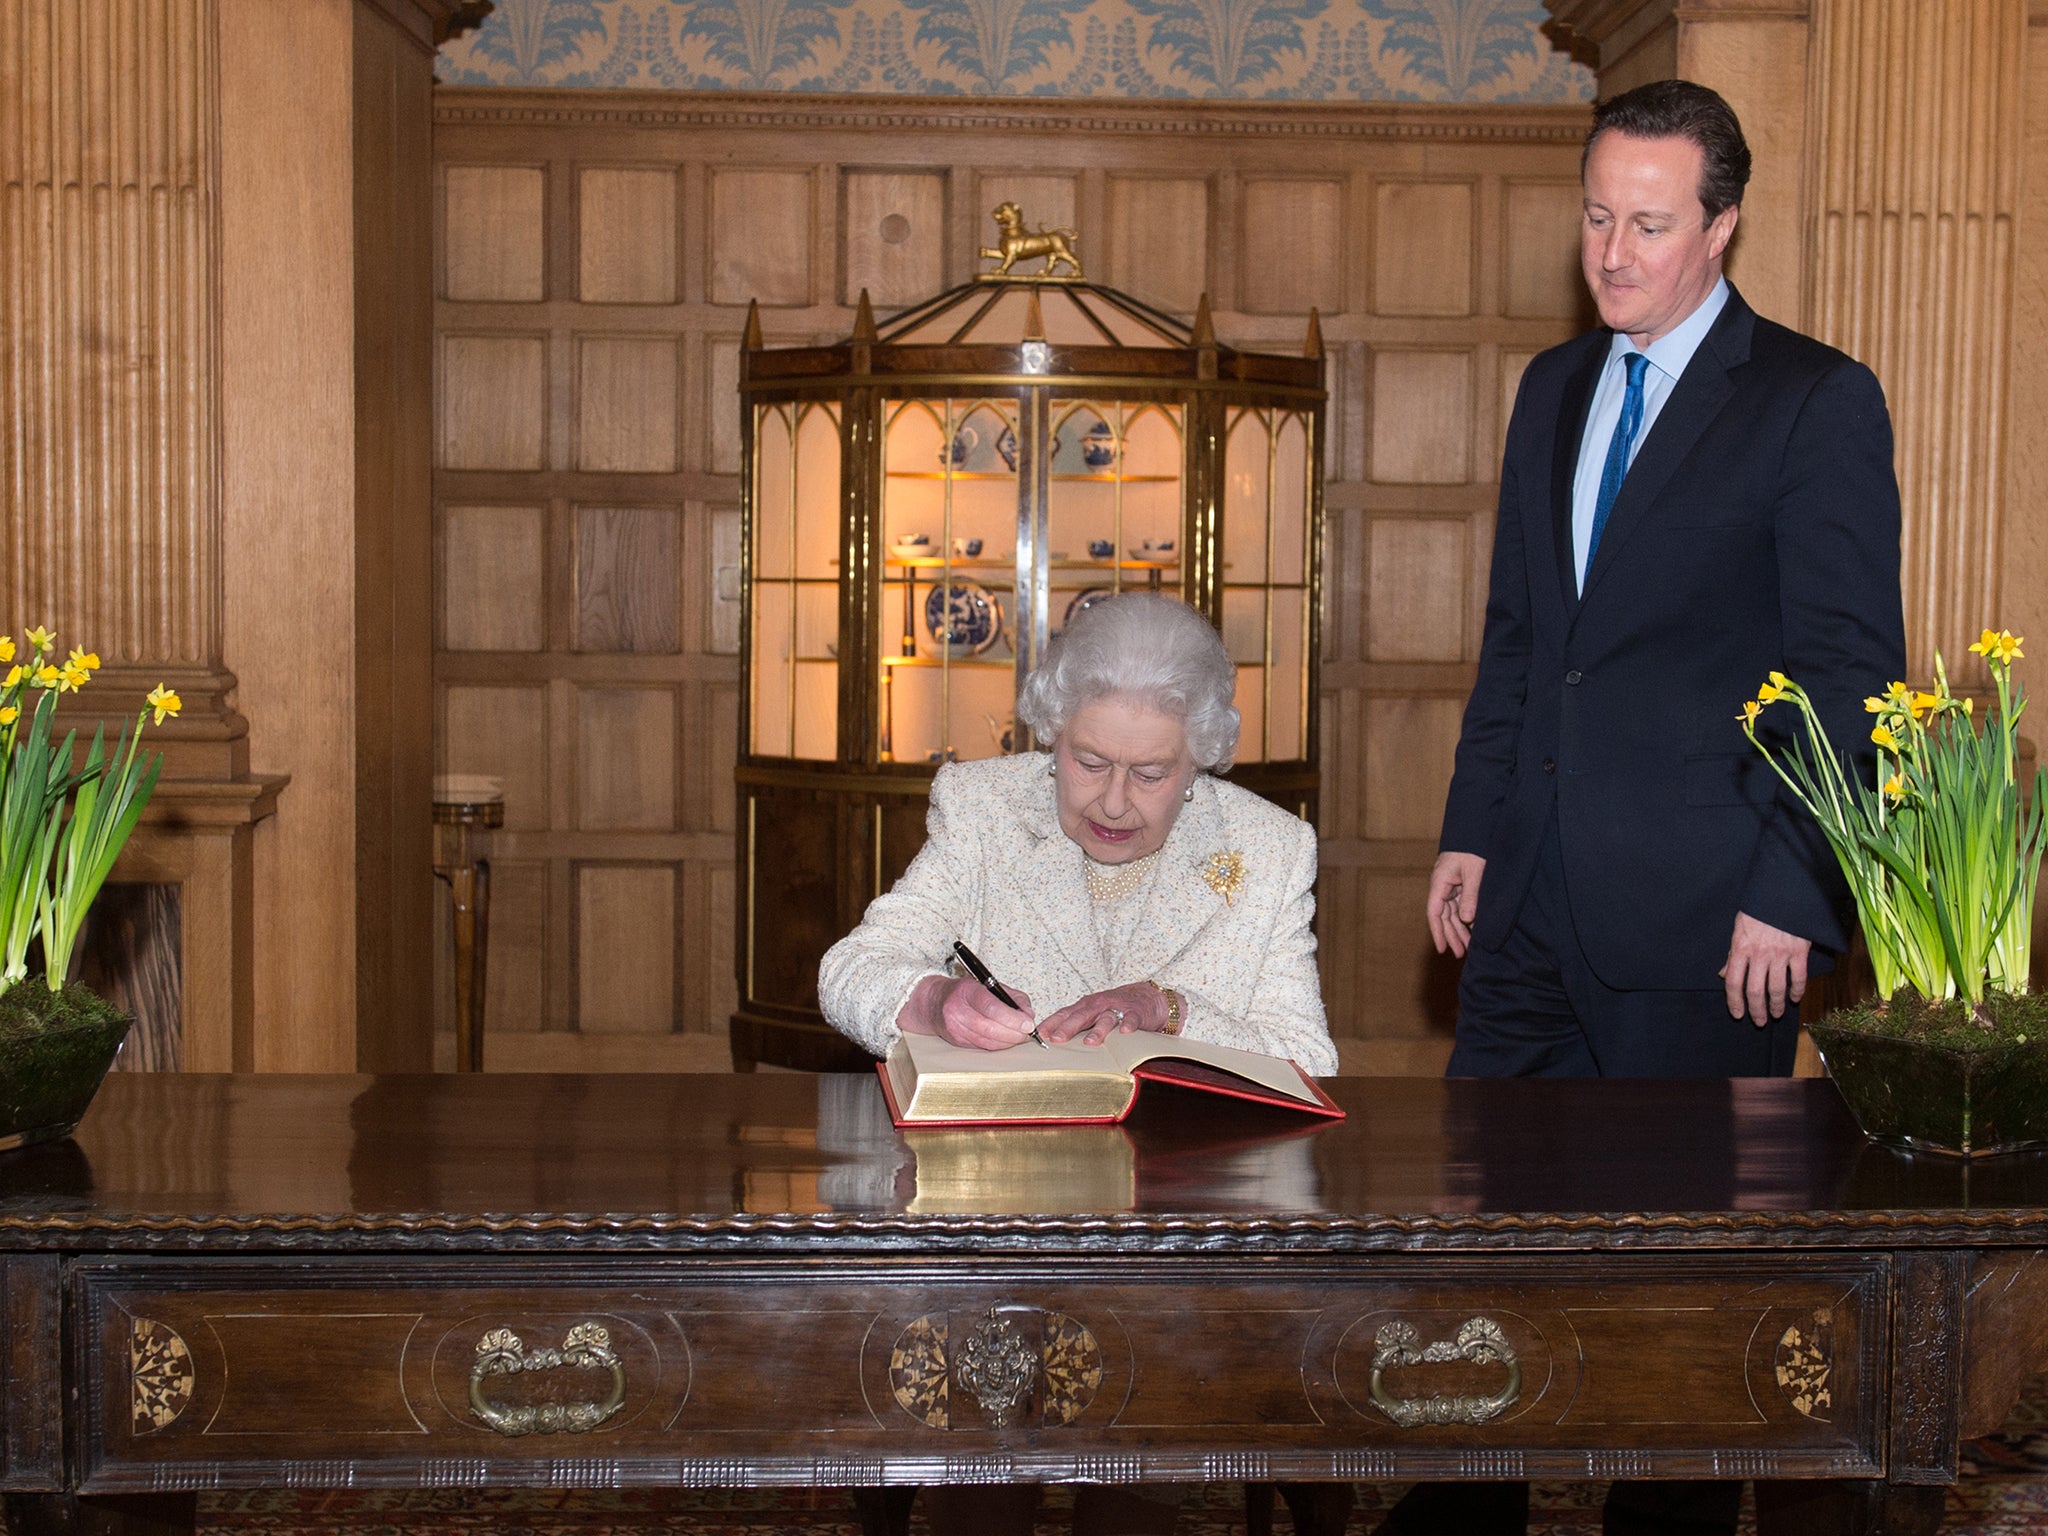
{"x":1052,"y":770}
{"x":1188,"y":794}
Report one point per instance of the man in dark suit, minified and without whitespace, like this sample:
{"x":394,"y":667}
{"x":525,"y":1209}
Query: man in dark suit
{"x":1691,"y":498}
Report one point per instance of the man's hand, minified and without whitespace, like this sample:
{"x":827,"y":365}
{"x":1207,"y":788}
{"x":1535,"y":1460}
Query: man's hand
{"x":1766,"y":970}
{"x":1454,"y":900}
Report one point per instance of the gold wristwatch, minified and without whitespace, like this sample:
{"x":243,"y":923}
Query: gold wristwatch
{"x":1173,"y":1016}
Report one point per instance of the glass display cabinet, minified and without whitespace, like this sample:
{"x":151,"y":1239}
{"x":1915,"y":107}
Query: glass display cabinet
{"x":927,"y":504}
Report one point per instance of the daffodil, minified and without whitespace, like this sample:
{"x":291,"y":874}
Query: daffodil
{"x":72,"y":678}
{"x":1999,"y":646}
{"x":15,"y":674}
{"x":1876,"y":706}
{"x":6,"y":648}
{"x":1895,"y":786}
{"x":42,"y":639}
{"x":1773,"y":690}
{"x":48,"y":676}
{"x":1750,"y":710}
{"x":164,"y":702}
{"x":1885,"y":739}
{"x":9,"y":714}
{"x":86,"y":661}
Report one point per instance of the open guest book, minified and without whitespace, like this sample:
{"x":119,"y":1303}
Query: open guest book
{"x":929,"y":1082}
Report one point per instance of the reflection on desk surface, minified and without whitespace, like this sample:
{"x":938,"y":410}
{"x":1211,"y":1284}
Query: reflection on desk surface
{"x":675,"y":1149}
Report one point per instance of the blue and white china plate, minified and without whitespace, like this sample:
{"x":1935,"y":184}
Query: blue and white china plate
{"x":964,"y":617}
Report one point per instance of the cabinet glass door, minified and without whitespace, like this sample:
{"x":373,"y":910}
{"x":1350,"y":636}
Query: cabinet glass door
{"x":793,"y":648}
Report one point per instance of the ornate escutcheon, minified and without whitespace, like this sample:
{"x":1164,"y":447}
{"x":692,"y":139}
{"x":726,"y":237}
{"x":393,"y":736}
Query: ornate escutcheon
{"x":996,"y":1367}
{"x":1805,"y":1362}
{"x":159,"y":1374}
{"x":1479,"y":1340}
{"x":501,"y":1353}
{"x":1009,"y":1357}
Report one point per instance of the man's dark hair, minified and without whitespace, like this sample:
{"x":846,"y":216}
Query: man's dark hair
{"x":1679,"y":109}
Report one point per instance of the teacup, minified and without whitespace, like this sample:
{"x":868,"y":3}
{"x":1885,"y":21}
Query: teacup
{"x":1101,"y":549}
{"x":967,"y":548}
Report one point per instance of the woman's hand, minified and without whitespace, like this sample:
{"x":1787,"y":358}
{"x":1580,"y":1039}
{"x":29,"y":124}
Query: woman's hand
{"x":1090,"y":1019}
{"x":961,"y":1011}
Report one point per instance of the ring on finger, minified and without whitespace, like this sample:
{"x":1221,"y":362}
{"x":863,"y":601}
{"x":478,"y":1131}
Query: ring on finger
{"x":1119,"y":1016}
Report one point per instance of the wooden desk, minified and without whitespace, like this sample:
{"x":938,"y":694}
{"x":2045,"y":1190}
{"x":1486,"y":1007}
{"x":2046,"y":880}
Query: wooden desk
{"x":261,"y":1281}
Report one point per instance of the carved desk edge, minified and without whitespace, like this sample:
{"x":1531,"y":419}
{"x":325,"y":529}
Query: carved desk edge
{"x":2021,"y":1227}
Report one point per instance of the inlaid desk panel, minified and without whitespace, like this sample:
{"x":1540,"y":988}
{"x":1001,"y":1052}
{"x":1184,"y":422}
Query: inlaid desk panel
{"x":498,"y":1281}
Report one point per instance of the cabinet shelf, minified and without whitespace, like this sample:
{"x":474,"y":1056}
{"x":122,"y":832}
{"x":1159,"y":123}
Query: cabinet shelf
{"x":1099,"y":477}
{"x":981,"y":663}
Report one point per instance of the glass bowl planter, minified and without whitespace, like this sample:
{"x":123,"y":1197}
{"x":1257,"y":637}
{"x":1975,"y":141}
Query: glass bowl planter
{"x":1968,"y":1098}
{"x":55,"y":1047}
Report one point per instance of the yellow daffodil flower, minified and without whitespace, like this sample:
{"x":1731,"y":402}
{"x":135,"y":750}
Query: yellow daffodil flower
{"x":48,"y":676}
{"x":164,"y":702}
{"x":42,"y":639}
{"x":87,"y":660}
{"x":1773,"y":690}
{"x":71,"y":679}
{"x":1923,"y":702}
{"x":1885,"y":739}
{"x":1999,"y":646}
{"x":1873,"y":705}
{"x":6,"y":648}
{"x":9,"y":714}
{"x":1895,"y":786}
{"x":1750,"y":710}
{"x":15,"y":674}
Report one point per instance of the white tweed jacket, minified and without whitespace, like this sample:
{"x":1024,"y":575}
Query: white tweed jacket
{"x":997,"y":872}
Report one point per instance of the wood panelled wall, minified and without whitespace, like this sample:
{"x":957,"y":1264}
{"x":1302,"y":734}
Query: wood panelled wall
{"x":596,"y":256}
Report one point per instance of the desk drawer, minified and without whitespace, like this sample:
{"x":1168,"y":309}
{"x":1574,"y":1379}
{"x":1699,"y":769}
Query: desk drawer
{"x":613,"y":1370}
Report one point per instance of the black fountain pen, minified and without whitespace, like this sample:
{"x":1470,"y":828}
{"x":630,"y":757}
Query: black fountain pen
{"x":981,"y":974}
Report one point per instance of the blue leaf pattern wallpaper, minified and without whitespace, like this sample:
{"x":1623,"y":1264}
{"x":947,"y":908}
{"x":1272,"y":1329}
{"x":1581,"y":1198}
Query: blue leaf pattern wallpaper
{"x":1246,"y":50}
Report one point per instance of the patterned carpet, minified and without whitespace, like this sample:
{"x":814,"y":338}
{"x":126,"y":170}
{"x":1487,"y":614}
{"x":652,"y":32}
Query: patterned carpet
{"x":2003,"y":1492}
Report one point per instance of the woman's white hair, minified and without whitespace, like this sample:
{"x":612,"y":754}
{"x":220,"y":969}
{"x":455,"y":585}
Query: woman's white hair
{"x":1144,"y":647}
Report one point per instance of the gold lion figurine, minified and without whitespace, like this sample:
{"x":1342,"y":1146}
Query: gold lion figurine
{"x":1055,"y":245}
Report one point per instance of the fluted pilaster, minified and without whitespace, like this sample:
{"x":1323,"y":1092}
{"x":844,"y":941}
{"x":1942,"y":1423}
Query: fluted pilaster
{"x":1918,"y":111}
{"x":109,"y":464}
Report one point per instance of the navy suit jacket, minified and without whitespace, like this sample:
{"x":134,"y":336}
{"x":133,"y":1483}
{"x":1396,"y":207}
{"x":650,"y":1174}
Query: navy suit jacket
{"x":1758,"y":529}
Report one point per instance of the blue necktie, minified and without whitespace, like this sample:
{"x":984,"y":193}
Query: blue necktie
{"x":1618,"y":446}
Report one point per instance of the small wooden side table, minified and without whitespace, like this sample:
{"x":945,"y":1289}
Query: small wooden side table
{"x":463,"y":817}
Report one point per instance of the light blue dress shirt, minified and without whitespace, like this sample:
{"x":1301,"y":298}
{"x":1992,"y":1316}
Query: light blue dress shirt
{"x":1668,"y":356}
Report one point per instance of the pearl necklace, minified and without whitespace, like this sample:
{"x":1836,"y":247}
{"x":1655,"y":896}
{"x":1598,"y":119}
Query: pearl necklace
{"x":1113,"y":882}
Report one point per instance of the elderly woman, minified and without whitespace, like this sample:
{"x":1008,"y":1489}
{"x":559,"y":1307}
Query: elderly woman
{"x":1110,"y":884}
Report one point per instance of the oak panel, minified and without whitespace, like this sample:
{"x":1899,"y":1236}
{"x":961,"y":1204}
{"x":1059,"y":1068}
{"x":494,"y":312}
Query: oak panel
{"x":1540,"y":250}
{"x":625,"y":948}
{"x":893,"y":225}
{"x":1409,"y":743}
{"x":1514,"y":362}
{"x":724,"y":580}
{"x":627,"y":578}
{"x":1422,"y":247}
{"x":492,"y":594}
{"x":722,"y":404}
{"x":625,"y":759}
{"x":626,"y":236}
{"x":515,"y":988}
{"x":1293,"y":247}
{"x":760,"y":237}
{"x":501,"y":732}
{"x":626,"y":403}
{"x":1159,"y":239}
{"x":1421,"y":417}
{"x":492,"y":241}
{"x":1418,"y":589}
{"x":1409,"y":992}
{"x":493,"y":396}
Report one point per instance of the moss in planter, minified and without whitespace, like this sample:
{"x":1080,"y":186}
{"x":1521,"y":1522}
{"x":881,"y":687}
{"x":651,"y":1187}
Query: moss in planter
{"x":2003,"y":1019}
{"x":54,"y":1049}
{"x":1941,"y":1075}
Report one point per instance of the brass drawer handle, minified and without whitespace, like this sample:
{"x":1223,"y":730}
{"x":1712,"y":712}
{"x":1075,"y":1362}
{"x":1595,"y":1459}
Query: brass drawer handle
{"x":501,"y":1353}
{"x":1479,"y":1340}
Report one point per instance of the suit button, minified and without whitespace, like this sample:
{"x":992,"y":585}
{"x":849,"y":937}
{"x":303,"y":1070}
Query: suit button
{"x":1573,"y":678}
{"x":1549,"y":766}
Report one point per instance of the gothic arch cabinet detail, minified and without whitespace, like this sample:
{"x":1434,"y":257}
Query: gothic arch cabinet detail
{"x":928,"y":503}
